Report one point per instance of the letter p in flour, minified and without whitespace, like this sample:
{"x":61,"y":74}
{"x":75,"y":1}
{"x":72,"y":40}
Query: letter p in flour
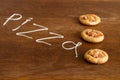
{"x":13,"y":18}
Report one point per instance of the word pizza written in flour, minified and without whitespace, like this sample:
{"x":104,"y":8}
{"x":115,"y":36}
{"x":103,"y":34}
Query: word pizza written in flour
{"x":16,"y":17}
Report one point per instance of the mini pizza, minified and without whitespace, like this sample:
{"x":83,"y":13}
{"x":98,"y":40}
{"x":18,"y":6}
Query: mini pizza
{"x":96,"y":56}
{"x":92,"y":35}
{"x":90,"y":19}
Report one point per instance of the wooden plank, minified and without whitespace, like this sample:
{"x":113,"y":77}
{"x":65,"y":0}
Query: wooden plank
{"x":24,"y":59}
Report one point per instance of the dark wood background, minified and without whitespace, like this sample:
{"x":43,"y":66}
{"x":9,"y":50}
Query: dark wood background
{"x":24,"y":59}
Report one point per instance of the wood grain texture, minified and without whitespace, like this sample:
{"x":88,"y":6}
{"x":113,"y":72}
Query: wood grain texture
{"x":24,"y":59}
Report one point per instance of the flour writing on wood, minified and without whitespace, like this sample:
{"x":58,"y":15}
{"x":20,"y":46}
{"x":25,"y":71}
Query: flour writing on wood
{"x":16,"y":17}
{"x":53,"y":37}
{"x":42,"y":28}
{"x":74,"y":47}
{"x":27,"y":20}
{"x":12,"y":18}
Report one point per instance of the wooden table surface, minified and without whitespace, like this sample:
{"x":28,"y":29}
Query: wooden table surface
{"x":24,"y":59}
